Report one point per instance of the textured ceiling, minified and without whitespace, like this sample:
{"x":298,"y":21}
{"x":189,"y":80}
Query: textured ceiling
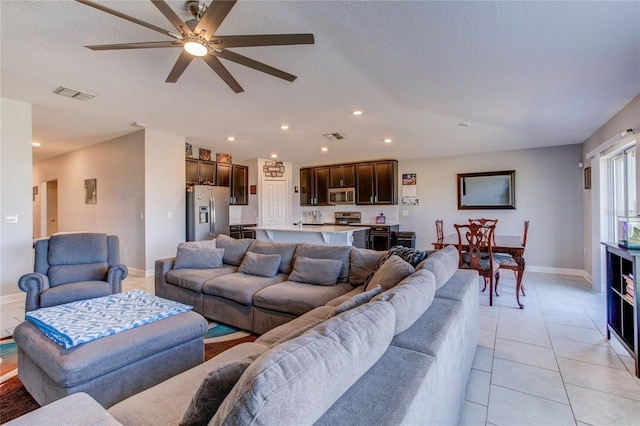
{"x":524,"y":74}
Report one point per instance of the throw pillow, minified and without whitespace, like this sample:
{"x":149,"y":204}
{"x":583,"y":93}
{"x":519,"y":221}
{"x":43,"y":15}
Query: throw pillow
{"x":409,"y":255}
{"x":358,"y":299}
{"x":199,"y":244}
{"x":198,"y":258}
{"x":392,"y":271}
{"x":316,"y":271}
{"x":262,"y":265}
{"x":362,"y":262}
{"x":213,"y":390}
{"x":234,"y":250}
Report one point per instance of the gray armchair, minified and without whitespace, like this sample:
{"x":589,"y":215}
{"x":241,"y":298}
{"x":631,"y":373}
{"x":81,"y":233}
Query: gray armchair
{"x":71,"y":267}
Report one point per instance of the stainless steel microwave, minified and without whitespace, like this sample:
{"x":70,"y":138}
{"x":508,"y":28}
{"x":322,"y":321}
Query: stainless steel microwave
{"x":342,"y":196}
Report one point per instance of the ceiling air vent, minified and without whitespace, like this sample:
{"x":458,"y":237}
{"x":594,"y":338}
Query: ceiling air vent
{"x":73,"y":93}
{"x":337,"y":136}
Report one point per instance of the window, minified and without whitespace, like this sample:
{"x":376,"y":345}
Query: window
{"x":622,"y":187}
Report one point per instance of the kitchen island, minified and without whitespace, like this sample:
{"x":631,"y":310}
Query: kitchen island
{"x":330,"y":235}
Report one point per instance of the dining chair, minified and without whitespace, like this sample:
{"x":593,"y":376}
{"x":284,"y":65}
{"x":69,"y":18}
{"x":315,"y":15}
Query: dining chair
{"x":475,"y":248}
{"x":506,"y":261}
{"x":486,"y":222}
{"x":439,"y":231}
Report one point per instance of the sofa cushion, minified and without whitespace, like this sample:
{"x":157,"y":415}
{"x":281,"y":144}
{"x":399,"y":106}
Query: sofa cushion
{"x":392,"y":271}
{"x":315,"y":271}
{"x":234,"y":249}
{"x":297,"y":298}
{"x":362,"y":263}
{"x":72,"y":292}
{"x":343,"y":298}
{"x":443,"y":263}
{"x":214,"y":389}
{"x":194,"y":279}
{"x":341,"y":253}
{"x":282,"y":384}
{"x":63,"y":274}
{"x":358,"y":299}
{"x":285,"y":250}
{"x":296,"y":326}
{"x":263,"y":265}
{"x":77,"y":248}
{"x":240,"y":287}
{"x":198,"y":257}
{"x":410,"y":298}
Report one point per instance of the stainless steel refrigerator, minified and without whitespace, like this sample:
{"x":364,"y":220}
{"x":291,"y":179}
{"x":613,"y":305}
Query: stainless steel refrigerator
{"x":207,"y":212}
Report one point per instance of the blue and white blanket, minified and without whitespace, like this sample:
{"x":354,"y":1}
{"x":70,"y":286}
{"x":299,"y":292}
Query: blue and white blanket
{"x":80,"y":322}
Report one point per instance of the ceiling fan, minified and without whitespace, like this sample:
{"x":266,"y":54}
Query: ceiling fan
{"x":197,"y":38}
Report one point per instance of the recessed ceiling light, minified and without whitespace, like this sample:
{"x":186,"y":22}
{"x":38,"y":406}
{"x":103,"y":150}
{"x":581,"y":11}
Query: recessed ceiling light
{"x":274,"y":155}
{"x":464,"y":124}
{"x":35,"y":144}
{"x":284,"y":127}
{"x":231,"y":139}
{"x":357,"y":112}
{"x":388,"y":140}
{"x":324,"y":148}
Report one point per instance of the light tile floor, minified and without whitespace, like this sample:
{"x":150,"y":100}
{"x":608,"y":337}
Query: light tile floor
{"x":548,"y":364}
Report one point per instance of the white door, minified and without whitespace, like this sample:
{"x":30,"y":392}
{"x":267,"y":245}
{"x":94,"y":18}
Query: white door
{"x":274,"y":202}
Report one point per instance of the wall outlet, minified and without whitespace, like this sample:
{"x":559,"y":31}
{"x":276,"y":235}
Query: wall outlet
{"x":405,"y":213}
{"x":10,"y":218}
{"x":169,"y":215}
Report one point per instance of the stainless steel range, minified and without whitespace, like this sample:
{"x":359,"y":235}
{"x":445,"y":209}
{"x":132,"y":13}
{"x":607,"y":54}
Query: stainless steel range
{"x":347,"y":218}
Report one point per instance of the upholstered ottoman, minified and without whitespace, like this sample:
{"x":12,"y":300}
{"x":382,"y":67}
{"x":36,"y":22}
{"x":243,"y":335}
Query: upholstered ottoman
{"x":111,"y":368}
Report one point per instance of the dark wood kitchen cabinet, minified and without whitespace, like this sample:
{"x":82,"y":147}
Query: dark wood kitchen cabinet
{"x":342,"y":176}
{"x":314,"y":186}
{"x":376,"y":182}
{"x":236,"y":178}
{"x":200,"y":172}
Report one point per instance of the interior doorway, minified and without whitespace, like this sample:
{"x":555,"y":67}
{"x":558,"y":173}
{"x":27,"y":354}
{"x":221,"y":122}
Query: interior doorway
{"x":50,"y":208}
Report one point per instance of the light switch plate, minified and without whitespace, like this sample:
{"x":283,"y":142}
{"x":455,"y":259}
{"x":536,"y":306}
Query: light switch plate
{"x":10,"y":218}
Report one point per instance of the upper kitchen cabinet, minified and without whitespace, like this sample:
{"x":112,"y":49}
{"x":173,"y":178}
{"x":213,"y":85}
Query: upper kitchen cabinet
{"x":200,"y":172}
{"x":192,"y":171}
{"x":342,"y":176}
{"x":376,"y":182}
{"x":314,"y":186}
{"x":236,"y":178}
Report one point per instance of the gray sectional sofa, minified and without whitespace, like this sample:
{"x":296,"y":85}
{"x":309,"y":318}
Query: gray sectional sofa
{"x":387,"y":353}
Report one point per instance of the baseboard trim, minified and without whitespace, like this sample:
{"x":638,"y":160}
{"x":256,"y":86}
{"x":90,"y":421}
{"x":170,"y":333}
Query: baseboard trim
{"x":559,"y":271}
{"x":12,"y":298}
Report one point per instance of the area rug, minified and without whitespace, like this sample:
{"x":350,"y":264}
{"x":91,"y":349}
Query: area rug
{"x":16,"y":401}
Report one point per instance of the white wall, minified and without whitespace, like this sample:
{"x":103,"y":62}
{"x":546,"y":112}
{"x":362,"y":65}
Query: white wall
{"x":118,"y":167}
{"x":548,"y":194}
{"x":164,"y":196}
{"x":16,"y":253}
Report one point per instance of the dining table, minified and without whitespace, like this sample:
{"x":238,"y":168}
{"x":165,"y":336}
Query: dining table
{"x":509,"y":244}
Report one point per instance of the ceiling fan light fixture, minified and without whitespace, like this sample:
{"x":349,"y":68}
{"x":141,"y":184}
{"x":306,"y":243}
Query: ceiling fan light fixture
{"x":195,"y":46}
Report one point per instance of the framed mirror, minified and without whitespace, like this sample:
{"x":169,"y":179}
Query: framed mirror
{"x":487,"y":190}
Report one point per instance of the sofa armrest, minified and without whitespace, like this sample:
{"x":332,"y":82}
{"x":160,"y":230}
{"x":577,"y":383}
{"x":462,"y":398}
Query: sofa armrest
{"x":77,"y":409}
{"x":33,"y":284}
{"x":115,"y":276}
{"x":162,"y":267}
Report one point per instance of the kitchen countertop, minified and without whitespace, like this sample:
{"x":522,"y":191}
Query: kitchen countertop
{"x":335,"y":229}
{"x":369,"y":224}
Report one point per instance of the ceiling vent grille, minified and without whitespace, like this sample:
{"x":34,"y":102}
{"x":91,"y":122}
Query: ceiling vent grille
{"x":337,"y":136}
{"x":73,"y":93}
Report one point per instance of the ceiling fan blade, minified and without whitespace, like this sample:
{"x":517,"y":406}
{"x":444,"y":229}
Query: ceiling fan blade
{"x":247,"y":62}
{"x":265,"y":40}
{"x":213,"y":17}
{"x":168,"y":13}
{"x":143,"y":45}
{"x":127,"y":17}
{"x":181,"y":64}
{"x":224,"y":74}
